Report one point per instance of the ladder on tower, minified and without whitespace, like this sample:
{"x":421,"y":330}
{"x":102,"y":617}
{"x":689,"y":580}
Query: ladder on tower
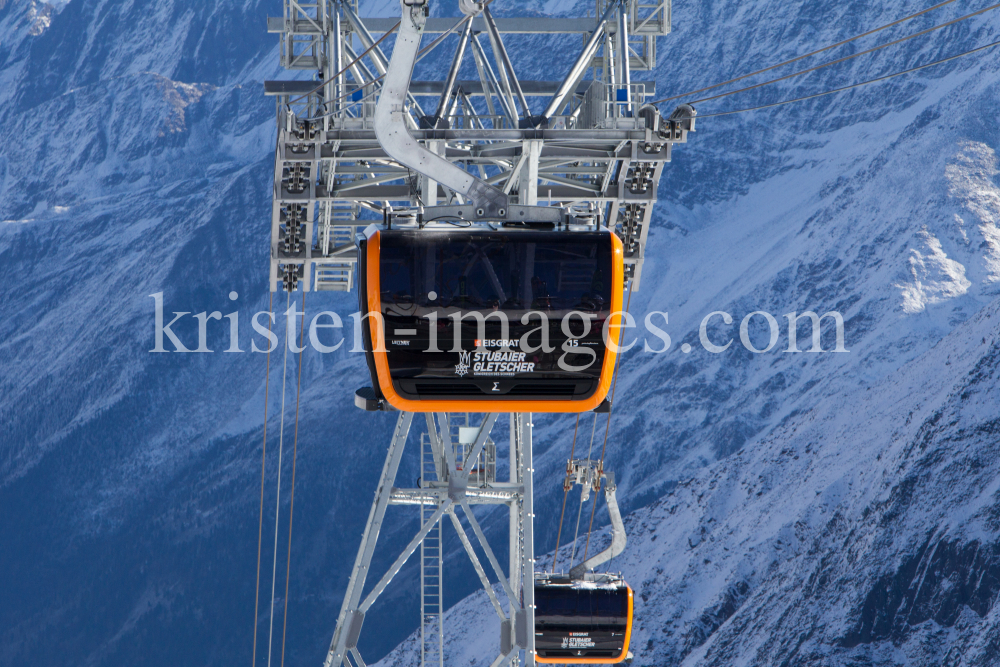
{"x":336,"y":257}
{"x":431,"y":594}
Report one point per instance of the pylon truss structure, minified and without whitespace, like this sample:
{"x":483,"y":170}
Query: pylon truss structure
{"x":458,"y":470}
{"x":594,"y":148}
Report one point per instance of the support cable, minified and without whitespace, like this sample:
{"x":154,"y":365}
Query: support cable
{"x":593,"y":429}
{"x":853,"y":55}
{"x":845,"y":58}
{"x":263,"y":459}
{"x":277,"y":509}
{"x":614,"y":383}
{"x":607,"y":429}
{"x":572,"y":452}
{"x":811,"y":53}
{"x":579,"y":513}
{"x":853,"y":85}
{"x":295,"y":452}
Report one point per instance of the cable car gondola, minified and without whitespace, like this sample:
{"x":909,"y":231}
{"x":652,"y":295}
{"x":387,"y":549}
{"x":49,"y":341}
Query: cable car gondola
{"x":582,"y":621}
{"x":436,"y":301}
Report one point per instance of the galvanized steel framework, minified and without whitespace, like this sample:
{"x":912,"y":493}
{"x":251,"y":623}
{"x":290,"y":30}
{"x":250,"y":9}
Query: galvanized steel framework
{"x":458,"y":470}
{"x":597,"y":152}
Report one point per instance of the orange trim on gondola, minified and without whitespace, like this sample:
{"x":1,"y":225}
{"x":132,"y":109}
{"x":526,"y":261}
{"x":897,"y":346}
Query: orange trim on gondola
{"x":599,"y":661}
{"x":495,"y":405}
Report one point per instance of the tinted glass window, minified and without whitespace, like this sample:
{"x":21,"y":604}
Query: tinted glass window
{"x":568,"y":606}
{"x":516,"y":271}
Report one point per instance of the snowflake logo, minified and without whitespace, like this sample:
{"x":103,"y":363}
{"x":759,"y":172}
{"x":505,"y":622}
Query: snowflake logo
{"x":462,"y":367}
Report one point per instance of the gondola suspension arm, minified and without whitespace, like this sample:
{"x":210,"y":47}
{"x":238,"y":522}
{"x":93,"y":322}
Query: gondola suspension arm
{"x":393,"y":135}
{"x":618,"y":537}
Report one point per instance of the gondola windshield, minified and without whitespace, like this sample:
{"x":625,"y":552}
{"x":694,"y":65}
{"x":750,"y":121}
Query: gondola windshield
{"x":550,"y":272}
{"x":565,"y":608}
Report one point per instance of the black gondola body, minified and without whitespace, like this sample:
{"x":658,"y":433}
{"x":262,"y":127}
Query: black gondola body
{"x":518,"y":319}
{"x":582,"y":622}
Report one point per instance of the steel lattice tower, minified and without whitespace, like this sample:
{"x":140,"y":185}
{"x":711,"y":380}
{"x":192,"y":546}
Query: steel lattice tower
{"x":598,"y":152}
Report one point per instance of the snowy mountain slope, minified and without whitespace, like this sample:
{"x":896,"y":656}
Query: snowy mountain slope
{"x":842,"y":222}
{"x":861,"y":532}
{"x":137,"y":159}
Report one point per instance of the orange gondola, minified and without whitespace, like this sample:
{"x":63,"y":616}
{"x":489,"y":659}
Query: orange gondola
{"x":482,"y":320}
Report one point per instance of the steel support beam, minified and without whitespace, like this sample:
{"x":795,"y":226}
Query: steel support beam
{"x":506,"y":68}
{"x":489,"y":553}
{"x":456,"y":64}
{"x":369,"y":538}
{"x":501,"y":92}
{"x":582,"y":63}
{"x":527,"y":565}
{"x":464,"y":539}
{"x":404,"y":556}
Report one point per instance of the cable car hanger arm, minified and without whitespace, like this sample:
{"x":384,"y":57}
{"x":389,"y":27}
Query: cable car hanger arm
{"x":486,"y":200}
{"x":618,"y":537}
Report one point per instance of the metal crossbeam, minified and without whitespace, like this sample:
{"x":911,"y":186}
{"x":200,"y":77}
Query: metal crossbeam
{"x":404,"y":556}
{"x":528,"y":25}
{"x":489,"y":552}
{"x":369,"y":538}
{"x":477,"y":565}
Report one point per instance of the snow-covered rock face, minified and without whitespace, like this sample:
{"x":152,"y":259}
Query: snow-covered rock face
{"x":972,"y":175}
{"x":806,"y":508}
{"x":860,"y":532}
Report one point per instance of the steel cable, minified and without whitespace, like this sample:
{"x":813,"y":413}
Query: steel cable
{"x":572,"y":453}
{"x":853,"y":85}
{"x":576,"y":534}
{"x":811,"y":53}
{"x":845,"y":58}
{"x":277,"y":509}
{"x":607,"y":429}
{"x":295,"y":452}
{"x":263,"y":459}
{"x":614,"y":383}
